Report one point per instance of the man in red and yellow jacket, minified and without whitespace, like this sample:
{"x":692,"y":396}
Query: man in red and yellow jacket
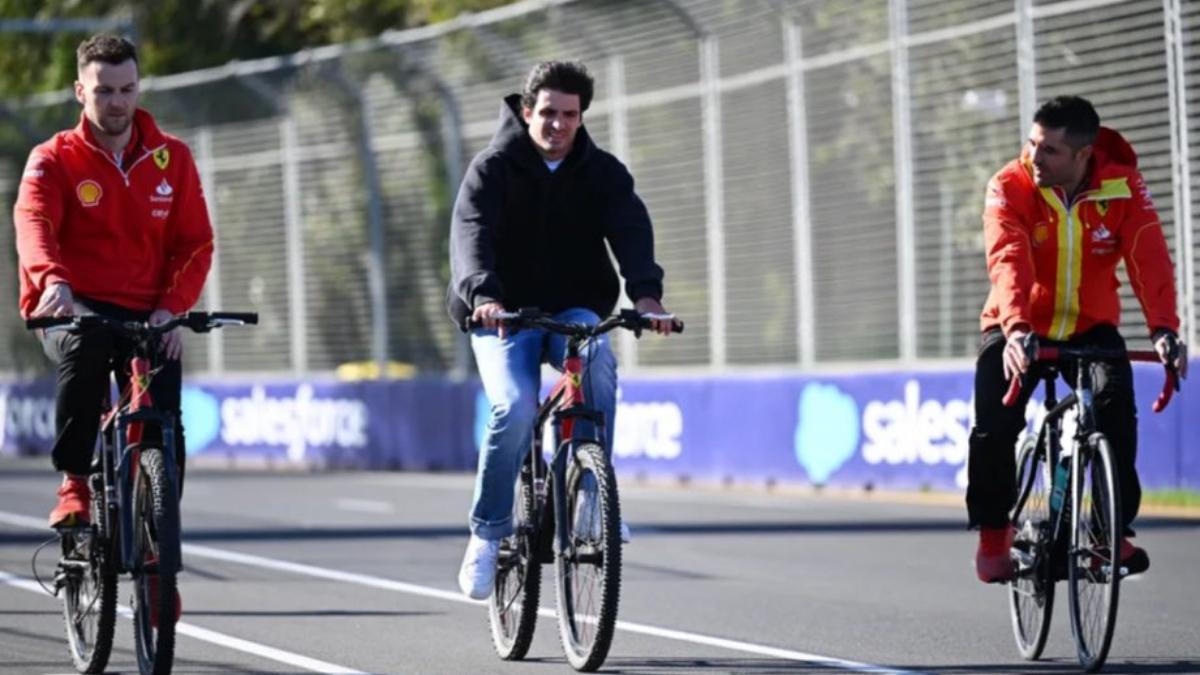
{"x":110,"y":219}
{"x":1056,"y":223}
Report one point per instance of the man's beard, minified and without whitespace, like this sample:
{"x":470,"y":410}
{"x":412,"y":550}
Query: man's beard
{"x":115,"y":126}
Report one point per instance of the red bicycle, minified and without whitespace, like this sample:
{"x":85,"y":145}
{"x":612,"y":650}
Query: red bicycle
{"x":566,"y":512}
{"x":134,"y":526}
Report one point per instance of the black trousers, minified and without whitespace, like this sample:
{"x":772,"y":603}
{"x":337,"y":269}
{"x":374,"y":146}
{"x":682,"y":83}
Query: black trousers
{"x":84,"y":363}
{"x":992,"y":463}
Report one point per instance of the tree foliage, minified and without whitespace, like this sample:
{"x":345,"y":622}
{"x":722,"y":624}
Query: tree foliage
{"x":180,"y":35}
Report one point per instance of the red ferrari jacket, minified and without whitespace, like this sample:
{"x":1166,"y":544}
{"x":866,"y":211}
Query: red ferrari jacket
{"x":1053,"y":264}
{"x":135,"y":235}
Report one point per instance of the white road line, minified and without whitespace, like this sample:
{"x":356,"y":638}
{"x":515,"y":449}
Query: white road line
{"x":364,"y":506}
{"x":439,"y":594}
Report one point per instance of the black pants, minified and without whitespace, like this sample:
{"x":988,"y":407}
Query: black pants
{"x":84,"y":363}
{"x":992,"y":464}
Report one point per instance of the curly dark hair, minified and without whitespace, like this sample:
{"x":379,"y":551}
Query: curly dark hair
{"x":1073,"y":113}
{"x":105,"y":48}
{"x":569,"y":77}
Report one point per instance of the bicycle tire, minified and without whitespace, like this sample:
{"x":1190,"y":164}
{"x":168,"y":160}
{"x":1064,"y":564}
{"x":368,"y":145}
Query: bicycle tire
{"x":1093,"y":570}
{"x":157,"y":548}
{"x":587,"y":600}
{"x":90,"y":597}
{"x":1031,"y":592}
{"x":513,"y":607}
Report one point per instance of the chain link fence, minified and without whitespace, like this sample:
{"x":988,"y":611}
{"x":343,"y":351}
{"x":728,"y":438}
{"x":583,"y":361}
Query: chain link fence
{"x":814,"y":168}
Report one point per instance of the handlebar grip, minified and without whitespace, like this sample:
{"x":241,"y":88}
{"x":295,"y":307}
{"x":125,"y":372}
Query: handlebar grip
{"x":677,"y":326}
{"x":48,"y":321}
{"x":250,"y":318}
{"x":1170,"y":386}
{"x":1014,"y":391}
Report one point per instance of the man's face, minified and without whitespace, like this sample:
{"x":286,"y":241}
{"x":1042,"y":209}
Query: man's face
{"x":553,"y":122}
{"x":1055,"y":162}
{"x":109,"y":94}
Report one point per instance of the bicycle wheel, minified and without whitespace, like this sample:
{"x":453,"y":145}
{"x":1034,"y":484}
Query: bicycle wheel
{"x":589,"y":570}
{"x":1031,"y":593}
{"x":512,"y":610}
{"x":1093,"y":569}
{"x":89,"y":591}
{"x":156,"y":541}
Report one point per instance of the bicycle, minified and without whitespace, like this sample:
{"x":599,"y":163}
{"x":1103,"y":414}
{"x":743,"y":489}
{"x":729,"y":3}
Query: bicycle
{"x":1044,"y":510}
{"x":134,"y":526}
{"x":584,"y":544}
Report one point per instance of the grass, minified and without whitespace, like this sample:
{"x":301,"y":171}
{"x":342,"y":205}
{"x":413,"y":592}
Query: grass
{"x":1184,"y":498}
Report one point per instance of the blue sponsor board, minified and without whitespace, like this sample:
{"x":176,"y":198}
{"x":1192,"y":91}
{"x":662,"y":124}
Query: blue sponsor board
{"x":898,"y":430}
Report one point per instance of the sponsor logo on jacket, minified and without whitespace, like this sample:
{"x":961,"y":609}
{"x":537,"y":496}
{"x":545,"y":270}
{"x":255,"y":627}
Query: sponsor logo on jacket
{"x":89,"y":192}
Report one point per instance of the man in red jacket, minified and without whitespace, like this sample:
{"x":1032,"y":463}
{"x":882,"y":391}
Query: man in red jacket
{"x":110,"y":219}
{"x":1056,"y":222}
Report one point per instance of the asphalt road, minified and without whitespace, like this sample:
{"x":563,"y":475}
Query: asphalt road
{"x":354,"y":572}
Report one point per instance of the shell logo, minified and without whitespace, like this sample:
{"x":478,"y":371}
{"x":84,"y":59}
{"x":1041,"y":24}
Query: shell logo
{"x":89,"y":193}
{"x":1040,"y":234}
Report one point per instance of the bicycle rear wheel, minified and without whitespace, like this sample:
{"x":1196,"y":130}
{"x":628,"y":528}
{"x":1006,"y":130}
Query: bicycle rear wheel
{"x":1031,"y":593}
{"x":588,"y":571}
{"x":156,"y":541}
{"x":89,"y":587}
{"x":1093,"y":567}
{"x":512,"y":610}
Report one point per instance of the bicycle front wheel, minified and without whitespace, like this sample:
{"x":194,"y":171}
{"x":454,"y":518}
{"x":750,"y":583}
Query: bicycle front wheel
{"x":156,"y":538}
{"x":512,"y":610}
{"x":589,"y":568}
{"x":1031,"y":594}
{"x":89,"y":591}
{"x":1093,"y":567}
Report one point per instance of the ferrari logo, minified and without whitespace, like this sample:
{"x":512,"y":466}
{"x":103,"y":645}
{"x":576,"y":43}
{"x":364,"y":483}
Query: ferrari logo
{"x":1102,"y":208}
{"x":162,"y":157}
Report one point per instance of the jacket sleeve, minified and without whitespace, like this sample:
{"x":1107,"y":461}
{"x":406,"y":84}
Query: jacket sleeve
{"x":37,"y":216}
{"x":473,"y":233}
{"x":190,"y":247}
{"x":628,"y":231}
{"x":1009,"y":254}
{"x":1148,"y":260}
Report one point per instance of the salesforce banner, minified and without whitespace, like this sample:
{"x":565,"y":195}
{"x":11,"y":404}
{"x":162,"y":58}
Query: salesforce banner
{"x":897,"y":430}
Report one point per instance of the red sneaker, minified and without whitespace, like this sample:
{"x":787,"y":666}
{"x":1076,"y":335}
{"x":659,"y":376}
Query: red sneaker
{"x":992,"y":561}
{"x":1133,"y":558}
{"x":152,"y":582}
{"x":74,"y":502}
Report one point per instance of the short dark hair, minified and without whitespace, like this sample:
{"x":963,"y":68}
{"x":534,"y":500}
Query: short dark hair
{"x":569,"y":77}
{"x":105,"y":48}
{"x":1073,"y":113}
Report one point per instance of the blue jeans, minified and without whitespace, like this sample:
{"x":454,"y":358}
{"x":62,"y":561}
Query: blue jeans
{"x":510,"y":369}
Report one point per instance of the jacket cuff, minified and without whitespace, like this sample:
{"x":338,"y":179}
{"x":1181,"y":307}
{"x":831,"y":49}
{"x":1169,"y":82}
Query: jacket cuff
{"x":645,"y":289}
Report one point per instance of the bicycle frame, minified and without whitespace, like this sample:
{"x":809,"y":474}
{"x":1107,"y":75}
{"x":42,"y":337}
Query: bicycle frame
{"x":563,"y":407}
{"x":123,"y":433}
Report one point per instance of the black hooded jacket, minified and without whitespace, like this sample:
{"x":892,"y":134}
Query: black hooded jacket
{"x":524,"y":236}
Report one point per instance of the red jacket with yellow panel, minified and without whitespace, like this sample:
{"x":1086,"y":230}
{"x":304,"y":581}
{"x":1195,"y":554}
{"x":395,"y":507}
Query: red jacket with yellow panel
{"x":1053,"y":264}
{"x":135,"y":235}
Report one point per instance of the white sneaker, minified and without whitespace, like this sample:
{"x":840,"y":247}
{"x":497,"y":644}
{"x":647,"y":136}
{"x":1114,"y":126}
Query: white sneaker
{"x":477,"y":576}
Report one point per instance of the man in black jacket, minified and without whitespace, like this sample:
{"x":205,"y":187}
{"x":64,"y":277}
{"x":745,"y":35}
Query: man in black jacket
{"x":530,"y":225}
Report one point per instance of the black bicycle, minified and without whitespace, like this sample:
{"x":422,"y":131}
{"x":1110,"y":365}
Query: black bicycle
{"x":134,"y":526}
{"x":1067,"y":515}
{"x":565,"y":512}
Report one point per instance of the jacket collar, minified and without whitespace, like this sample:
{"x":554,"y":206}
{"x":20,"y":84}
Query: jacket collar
{"x":1112,"y":156}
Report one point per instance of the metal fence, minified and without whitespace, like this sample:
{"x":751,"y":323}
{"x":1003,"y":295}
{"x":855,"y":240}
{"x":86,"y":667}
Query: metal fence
{"x":814,"y":168}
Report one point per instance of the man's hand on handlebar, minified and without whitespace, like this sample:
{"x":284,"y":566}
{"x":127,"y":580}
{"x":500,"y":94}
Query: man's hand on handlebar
{"x":1172,"y":352}
{"x":56,"y":300}
{"x":654,"y":308}
{"x":486,"y":314}
{"x":1016,"y":356}
{"x":171,"y":341}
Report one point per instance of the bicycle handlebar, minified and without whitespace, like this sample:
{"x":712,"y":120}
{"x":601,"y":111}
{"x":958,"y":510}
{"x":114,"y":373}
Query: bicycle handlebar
{"x":630,"y":319}
{"x":199,"y":322}
{"x":1170,"y":384}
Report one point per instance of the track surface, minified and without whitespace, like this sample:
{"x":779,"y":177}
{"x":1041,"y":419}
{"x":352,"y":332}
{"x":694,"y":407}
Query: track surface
{"x":354,"y":572}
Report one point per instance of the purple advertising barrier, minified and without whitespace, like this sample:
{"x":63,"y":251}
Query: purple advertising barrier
{"x":897,"y":430}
